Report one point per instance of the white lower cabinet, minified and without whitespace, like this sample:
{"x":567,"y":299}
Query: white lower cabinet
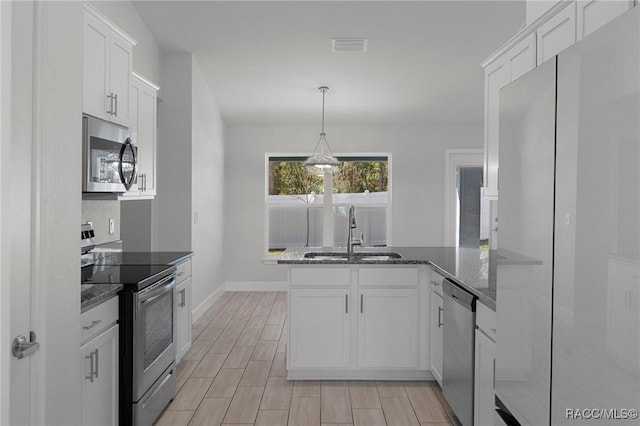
{"x":183,"y":318}
{"x":388,"y":328}
{"x":485,"y":355}
{"x":183,"y":309}
{"x":435,"y":344}
{"x":320,"y":328}
{"x":356,"y":322}
{"x":100,"y":365}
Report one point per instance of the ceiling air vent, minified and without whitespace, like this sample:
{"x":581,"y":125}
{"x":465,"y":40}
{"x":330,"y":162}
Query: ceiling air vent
{"x":349,"y":45}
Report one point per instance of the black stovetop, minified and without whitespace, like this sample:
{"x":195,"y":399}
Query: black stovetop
{"x":131,"y":276}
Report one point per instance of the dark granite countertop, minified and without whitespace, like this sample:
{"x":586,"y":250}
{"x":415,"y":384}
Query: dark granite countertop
{"x":144,"y":258}
{"x":94,"y":294}
{"x":472,"y":269}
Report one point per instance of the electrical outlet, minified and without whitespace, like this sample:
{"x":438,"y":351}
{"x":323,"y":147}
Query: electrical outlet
{"x":112,"y":226}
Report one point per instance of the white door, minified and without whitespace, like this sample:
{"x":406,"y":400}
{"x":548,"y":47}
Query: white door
{"x":18,"y":405}
{"x":388,"y":328}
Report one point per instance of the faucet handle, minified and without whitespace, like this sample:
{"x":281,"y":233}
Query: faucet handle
{"x":362,"y":239}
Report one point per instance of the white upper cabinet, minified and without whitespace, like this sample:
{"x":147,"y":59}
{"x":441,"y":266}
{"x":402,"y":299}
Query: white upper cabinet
{"x":592,"y":14}
{"x":557,"y":33}
{"x":107,"y":67}
{"x":515,"y":62}
{"x":144,"y":97}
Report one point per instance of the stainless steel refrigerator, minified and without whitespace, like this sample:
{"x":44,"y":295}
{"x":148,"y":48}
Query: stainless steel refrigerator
{"x":568,"y":324}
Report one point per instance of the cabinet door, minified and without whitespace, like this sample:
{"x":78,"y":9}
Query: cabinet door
{"x":557,"y":33}
{"x":484,"y":394}
{"x":521,"y":58}
{"x":496,"y":77}
{"x":95,"y":67}
{"x":147,"y":138}
{"x":435,"y":344}
{"x":592,"y":14}
{"x":388,"y":328}
{"x":100,"y":379}
{"x":183,"y":317}
{"x":120,"y":67}
{"x":320,"y":328}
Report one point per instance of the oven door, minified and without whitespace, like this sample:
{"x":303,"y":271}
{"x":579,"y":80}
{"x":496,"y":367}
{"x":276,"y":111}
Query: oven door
{"x":154,"y":333}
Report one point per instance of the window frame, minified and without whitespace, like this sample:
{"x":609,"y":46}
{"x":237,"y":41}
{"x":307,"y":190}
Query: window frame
{"x":272,"y":258}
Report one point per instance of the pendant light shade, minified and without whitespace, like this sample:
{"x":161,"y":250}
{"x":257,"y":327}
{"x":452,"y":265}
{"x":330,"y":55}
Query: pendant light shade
{"x":322,"y":160}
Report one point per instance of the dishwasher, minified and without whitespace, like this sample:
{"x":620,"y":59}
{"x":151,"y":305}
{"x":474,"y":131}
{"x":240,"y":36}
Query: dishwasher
{"x":458,"y":350}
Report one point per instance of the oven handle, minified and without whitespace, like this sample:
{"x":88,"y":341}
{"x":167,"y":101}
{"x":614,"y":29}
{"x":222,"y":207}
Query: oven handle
{"x":157,"y":289}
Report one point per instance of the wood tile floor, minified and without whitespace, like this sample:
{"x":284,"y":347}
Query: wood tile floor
{"x":235,"y":374}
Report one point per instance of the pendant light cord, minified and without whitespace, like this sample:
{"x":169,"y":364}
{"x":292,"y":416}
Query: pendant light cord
{"x":324,"y":90}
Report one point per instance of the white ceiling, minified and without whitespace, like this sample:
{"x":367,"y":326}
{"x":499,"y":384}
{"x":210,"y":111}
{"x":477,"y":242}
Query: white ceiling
{"x":264,"y":60}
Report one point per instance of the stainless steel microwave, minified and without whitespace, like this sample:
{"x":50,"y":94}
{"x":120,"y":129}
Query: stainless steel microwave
{"x":108,"y":156}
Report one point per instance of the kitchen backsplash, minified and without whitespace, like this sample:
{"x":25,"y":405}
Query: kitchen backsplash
{"x":100,"y":212}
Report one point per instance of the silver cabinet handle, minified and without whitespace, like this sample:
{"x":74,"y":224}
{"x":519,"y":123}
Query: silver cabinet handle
{"x":97,"y":367}
{"x":90,"y":358}
{"x":21,"y":347}
{"x":115,"y":97}
{"x":440,"y":316}
{"x":179,"y":274}
{"x":93,"y":365}
{"x":346,"y":303}
{"x":494,"y":373}
{"x":361,"y":303}
{"x":183,"y":298}
{"x":110,"y":98}
{"x":90,"y":326}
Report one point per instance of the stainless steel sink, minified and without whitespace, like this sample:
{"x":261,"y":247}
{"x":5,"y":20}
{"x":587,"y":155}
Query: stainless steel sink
{"x":352,"y":256}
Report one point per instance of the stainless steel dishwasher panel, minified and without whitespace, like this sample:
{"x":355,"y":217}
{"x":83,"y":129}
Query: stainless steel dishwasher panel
{"x":458,"y":350}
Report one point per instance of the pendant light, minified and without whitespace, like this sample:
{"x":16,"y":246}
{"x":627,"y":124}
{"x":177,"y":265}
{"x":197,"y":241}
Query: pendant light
{"x":322,"y":160}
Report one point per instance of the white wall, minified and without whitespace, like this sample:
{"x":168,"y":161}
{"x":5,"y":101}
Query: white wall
{"x":188,"y":208}
{"x":207,"y":190}
{"x":146,"y":54}
{"x":99,"y":212}
{"x":417,"y":153}
{"x":172,"y":205}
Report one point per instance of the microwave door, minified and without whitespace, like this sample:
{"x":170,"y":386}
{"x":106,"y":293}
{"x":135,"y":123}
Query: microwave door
{"x":103,"y":164}
{"x":127,"y":164}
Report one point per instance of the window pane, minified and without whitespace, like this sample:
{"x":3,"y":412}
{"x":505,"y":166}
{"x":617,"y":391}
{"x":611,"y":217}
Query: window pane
{"x":359,"y":176}
{"x":371,"y":221}
{"x":290,"y":226}
{"x":288,"y":177}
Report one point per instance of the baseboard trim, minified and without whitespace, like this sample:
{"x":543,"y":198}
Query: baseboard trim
{"x":256,"y":286}
{"x":203,"y":307}
{"x":405,"y":375}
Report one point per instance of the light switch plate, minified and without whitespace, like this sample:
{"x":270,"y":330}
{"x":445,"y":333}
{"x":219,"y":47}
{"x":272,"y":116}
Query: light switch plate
{"x":112,"y":226}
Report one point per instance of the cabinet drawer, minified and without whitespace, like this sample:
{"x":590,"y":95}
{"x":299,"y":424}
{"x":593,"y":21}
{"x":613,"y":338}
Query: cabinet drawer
{"x":98,"y":319}
{"x":486,"y":320}
{"x":321,"y":276}
{"x":384,"y":276}
{"x":183,"y":271}
{"x":435,"y":282}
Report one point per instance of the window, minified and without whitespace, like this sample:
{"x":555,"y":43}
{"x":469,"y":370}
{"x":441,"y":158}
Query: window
{"x":297,"y":210}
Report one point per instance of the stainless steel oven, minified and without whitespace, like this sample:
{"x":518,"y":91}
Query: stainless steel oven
{"x":154,"y":331}
{"x":108,"y":156}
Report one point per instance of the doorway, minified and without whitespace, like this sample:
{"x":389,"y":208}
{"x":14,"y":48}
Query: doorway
{"x":464,"y":206}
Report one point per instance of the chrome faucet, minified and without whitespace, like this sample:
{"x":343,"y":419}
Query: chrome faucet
{"x":351,"y":242}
